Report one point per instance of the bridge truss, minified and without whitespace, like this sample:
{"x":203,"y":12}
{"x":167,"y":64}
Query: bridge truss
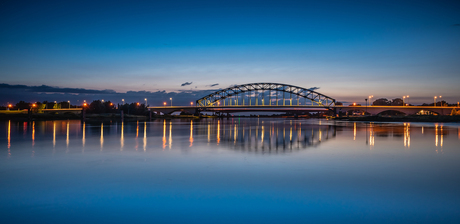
{"x":265,"y":94}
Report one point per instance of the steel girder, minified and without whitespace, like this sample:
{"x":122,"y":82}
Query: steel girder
{"x":318,"y":98}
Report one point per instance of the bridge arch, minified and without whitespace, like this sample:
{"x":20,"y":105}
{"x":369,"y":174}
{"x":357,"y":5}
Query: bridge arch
{"x":243,"y":90}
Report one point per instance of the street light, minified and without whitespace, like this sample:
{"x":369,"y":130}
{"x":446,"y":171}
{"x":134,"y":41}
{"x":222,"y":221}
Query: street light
{"x":123,"y":100}
{"x":440,"y":100}
{"x":171,"y":101}
{"x":164,"y":104}
{"x":191,"y":104}
{"x":435,"y":100}
{"x":370,"y":97}
{"x":145,"y":101}
{"x":68,"y":101}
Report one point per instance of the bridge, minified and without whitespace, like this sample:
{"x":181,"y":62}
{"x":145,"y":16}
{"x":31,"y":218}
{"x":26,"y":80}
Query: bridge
{"x":277,"y":97}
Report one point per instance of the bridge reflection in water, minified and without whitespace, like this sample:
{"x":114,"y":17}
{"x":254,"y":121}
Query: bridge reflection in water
{"x":252,"y":135}
{"x":264,"y":135}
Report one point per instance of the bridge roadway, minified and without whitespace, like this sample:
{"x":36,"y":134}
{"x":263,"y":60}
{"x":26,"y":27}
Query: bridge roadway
{"x":373,"y":110}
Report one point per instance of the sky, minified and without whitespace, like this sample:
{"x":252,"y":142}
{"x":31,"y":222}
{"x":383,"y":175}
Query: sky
{"x":159,"y":49}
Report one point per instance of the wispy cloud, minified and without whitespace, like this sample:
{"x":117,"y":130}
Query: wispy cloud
{"x":186,"y":83}
{"x":15,"y":93}
{"x":212,"y":85}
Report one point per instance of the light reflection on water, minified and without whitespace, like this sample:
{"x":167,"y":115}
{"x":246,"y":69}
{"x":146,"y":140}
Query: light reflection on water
{"x":318,"y":170}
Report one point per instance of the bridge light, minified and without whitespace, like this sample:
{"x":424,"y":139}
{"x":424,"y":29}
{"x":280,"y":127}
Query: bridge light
{"x":9,"y":105}
{"x":354,"y":104}
{"x":164,"y":103}
{"x":191,"y":103}
{"x":34,"y":105}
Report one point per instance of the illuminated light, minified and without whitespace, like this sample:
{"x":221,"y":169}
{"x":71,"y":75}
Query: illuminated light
{"x":191,"y":103}
{"x":83,"y":139}
{"x":262,"y":135}
{"x":67,"y":138}
{"x":170,"y":134}
{"x":102,"y":136}
{"x":9,"y":105}
{"x":218,"y":131}
{"x":209,"y":132}
{"x":137,"y":104}
{"x":354,"y":131}
{"x":145,"y":136}
{"x":191,"y":133}
{"x":122,"y":138}
{"x":33,"y":133}
{"x":164,"y":103}
{"x":54,"y":134}
{"x":9,"y":134}
{"x":137,"y":129}
{"x":34,"y":105}
{"x":442,"y":137}
{"x":436,"y":133}
{"x":235,"y":134}
{"x":111,"y":104}
{"x":85,"y":104}
{"x":354,"y":104}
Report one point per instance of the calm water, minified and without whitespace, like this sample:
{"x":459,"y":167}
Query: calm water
{"x":229,"y":171}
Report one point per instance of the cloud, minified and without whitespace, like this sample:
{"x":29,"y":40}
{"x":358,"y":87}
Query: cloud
{"x":212,"y":85}
{"x":50,"y":89}
{"x":186,"y":84}
{"x":313,"y":88}
{"x":15,"y":93}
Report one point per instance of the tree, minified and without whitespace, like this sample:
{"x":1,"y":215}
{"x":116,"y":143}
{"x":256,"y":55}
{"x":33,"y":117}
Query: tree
{"x":397,"y":102}
{"x":22,"y":105}
{"x":381,"y":102}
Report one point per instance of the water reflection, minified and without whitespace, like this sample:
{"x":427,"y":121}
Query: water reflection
{"x":191,"y":133}
{"x":122,"y":138}
{"x":102,"y":136}
{"x":145,"y":135}
{"x":83,"y":136}
{"x":239,"y":134}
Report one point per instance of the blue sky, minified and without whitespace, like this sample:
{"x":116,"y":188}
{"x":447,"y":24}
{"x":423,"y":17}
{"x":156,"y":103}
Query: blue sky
{"x":350,"y":49}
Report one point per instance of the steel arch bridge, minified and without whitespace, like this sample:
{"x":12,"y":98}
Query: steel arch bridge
{"x":255,"y":90}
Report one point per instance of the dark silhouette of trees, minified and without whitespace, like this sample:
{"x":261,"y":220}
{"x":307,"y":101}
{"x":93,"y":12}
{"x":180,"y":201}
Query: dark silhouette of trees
{"x":98,"y":107}
{"x":134,"y":108}
{"x":21,"y":105}
{"x":397,"y":102}
{"x":381,"y":102}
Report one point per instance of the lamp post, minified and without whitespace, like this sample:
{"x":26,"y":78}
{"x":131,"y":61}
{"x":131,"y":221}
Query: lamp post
{"x":370,"y":97}
{"x":68,"y":101}
{"x":440,"y":100}
{"x":164,"y":104}
{"x":191,"y":104}
{"x":171,"y":101}
{"x":407,"y":100}
{"x":123,"y":101}
{"x":435,"y":100}
{"x":145,"y":102}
